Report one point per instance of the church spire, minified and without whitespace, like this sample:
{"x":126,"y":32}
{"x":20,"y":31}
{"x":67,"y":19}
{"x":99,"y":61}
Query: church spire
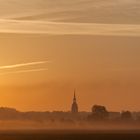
{"x":74,"y":98}
{"x":74,"y":108}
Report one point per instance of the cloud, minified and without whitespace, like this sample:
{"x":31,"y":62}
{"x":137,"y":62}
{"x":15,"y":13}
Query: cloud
{"x":22,"y":65}
{"x":24,"y":71}
{"x":61,"y":28}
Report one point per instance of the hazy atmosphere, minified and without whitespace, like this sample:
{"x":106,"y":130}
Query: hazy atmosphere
{"x":48,"y":48}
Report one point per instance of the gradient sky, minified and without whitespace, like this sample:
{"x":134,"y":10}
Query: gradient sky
{"x":44,"y":54}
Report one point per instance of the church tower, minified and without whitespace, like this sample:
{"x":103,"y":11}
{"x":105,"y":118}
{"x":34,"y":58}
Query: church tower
{"x":74,"y":108}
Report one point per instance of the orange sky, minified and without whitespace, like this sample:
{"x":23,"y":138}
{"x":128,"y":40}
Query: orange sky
{"x":48,"y":48}
{"x":104,"y":70}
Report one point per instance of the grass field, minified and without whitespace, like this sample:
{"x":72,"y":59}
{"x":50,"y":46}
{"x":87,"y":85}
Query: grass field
{"x":69,"y":135}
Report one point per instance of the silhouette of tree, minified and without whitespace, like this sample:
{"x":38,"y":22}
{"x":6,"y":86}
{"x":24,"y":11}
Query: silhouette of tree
{"x":98,"y":113}
{"x":126,"y":115}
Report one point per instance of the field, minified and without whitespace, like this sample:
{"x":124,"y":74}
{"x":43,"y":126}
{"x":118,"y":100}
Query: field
{"x":69,"y":135}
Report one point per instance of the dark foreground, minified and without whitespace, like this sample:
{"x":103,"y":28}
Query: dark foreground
{"x":69,"y":135}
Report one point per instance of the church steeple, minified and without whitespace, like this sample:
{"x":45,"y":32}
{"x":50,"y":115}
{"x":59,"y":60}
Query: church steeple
{"x":74,"y":108}
{"x":74,"y":98}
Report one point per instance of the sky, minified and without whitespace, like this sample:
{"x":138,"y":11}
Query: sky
{"x":49,"y":48}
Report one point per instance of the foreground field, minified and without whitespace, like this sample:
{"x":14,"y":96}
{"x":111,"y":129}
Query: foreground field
{"x":69,"y":135}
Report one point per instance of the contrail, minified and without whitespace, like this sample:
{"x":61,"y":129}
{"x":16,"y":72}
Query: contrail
{"x":22,"y":65}
{"x":24,"y":71}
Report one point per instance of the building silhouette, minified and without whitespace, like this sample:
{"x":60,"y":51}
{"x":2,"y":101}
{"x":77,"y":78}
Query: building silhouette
{"x":74,"y":108}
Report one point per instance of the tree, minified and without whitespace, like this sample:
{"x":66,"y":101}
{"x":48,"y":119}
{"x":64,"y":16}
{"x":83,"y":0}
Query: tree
{"x":98,"y":113}
{"x":126,"y":115}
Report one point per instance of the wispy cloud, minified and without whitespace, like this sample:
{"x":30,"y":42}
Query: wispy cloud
{"x":61,"y":28}
{"x":22,"y":65}
{"x":24,"y":71}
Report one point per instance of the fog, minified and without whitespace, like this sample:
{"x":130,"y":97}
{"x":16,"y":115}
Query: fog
{"x":96,"y":126}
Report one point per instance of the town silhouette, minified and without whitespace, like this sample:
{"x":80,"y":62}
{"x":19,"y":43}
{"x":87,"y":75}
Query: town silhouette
{"x":97,"y":118}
